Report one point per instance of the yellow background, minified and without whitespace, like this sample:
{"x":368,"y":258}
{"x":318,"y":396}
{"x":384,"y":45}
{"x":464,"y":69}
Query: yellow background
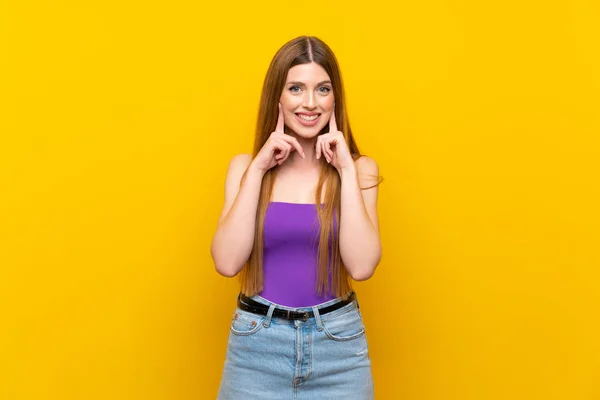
{"x":117,"y":123}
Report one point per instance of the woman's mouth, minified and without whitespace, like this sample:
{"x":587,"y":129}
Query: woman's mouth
{"x":308,"y":120}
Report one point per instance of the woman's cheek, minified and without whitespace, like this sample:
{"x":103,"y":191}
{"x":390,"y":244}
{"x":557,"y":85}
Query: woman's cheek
{"x":327,"y":104}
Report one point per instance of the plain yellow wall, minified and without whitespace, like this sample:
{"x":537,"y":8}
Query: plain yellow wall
{"x":118,"y":120}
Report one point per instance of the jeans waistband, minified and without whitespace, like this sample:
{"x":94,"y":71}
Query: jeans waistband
{"x":307,"y":308}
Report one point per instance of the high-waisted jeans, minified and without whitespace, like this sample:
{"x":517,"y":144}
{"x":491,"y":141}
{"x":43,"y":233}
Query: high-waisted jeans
{"x":269,"y":358}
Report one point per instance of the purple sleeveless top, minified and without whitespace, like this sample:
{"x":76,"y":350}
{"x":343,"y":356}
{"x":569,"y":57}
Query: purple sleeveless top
{"x":291,"y":240}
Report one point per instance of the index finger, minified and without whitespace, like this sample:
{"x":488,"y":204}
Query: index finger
{"x":294,"y":142}
{"x":332,"y":123}
{"x":280,"y":121}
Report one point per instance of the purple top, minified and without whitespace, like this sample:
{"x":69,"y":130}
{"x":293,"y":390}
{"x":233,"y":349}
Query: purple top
{"x":291,"y":241}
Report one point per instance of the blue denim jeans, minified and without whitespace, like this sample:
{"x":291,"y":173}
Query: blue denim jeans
{"x":325,"y":357}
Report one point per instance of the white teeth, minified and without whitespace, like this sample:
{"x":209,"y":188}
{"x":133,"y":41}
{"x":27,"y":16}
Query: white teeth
{"x":307,"y":118}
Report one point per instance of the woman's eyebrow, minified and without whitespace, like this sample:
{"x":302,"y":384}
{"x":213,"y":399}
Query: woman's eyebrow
{"x":302,"y":83}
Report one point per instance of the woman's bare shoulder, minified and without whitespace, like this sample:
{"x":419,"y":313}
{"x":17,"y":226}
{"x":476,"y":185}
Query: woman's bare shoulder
{"x":237,"y":167}
{"x":368,"y":172}
{"x":366,"y":165}
{"x":239,"y":162}
{"x":243,"y":159}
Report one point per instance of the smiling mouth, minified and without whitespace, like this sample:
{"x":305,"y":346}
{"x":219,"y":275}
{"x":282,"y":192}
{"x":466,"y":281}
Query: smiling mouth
{"x":308,"y":118}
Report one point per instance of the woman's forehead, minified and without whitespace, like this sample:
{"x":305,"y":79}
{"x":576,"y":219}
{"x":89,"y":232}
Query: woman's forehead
{"x":307,"y":73}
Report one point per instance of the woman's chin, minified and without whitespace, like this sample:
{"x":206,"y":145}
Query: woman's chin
{"x":307,"y":132}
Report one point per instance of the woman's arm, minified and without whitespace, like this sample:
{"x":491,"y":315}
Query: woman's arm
{"x":360,"y":246}
{"x":233,"y":241}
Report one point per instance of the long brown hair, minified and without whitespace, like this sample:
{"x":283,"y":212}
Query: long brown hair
{"x":302,"y":50}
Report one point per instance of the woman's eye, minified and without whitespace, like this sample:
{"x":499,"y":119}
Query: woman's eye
{"x":327,"y":90}
{"x":292,"y":89}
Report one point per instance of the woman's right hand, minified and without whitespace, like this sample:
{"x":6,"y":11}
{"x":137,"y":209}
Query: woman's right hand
{"x":278,"y":147}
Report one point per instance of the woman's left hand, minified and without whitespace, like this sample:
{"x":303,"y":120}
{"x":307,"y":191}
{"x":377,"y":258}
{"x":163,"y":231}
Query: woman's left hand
{"x":332,"y":145}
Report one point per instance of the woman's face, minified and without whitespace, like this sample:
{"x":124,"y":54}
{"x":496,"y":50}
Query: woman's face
{"x":307,"y":99}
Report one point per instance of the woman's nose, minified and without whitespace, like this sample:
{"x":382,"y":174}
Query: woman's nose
{"x":309,"y":100}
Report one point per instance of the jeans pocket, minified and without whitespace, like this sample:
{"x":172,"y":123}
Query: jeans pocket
{"x":345,"y":326}
{"x":245,"y":323}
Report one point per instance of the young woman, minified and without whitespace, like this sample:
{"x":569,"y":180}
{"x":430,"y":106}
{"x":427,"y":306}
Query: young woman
{"x":299,"y":220}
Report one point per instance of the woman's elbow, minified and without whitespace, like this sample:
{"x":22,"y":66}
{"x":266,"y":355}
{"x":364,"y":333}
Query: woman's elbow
{"x":364,"y":273}
{"x":224,"y":268}
{"x":228,"y":273}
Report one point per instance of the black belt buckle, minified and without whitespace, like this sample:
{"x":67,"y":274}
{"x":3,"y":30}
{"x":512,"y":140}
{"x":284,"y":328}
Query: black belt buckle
{"x":304,"y":317}
{"x":301,"y":315}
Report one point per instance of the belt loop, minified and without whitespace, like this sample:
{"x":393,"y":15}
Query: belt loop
{"x":355,"y":299}
{"x":269,"y":315}
{"x":317,"y":318}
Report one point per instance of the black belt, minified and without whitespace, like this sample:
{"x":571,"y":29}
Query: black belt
{"x":247,"y":304}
